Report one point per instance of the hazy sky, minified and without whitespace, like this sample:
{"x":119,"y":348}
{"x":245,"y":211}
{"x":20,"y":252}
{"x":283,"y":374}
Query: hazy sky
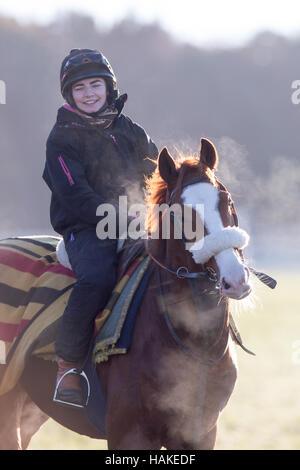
{"x":202,"y":22}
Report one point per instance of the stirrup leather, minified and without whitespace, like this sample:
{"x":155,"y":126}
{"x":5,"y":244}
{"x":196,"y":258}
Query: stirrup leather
{"x":82,"y":374}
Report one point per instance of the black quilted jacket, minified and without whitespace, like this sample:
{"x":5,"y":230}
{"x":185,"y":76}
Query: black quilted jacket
{"x":87,"y":166}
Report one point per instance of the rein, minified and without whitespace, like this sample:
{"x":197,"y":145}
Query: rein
{"x":182,"y":272}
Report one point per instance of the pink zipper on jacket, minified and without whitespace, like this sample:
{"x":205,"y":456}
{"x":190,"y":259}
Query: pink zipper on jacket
{"x":66,"y":170}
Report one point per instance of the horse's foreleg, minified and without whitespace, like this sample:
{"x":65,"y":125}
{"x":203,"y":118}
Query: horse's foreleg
{"x":10,"y":416}
{"x":20,"y":418}
{"x":32,"y":419}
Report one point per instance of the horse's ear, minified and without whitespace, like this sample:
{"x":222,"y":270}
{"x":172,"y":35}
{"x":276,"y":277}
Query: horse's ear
{"x":208,"y":154}
{"x":166,"y":165}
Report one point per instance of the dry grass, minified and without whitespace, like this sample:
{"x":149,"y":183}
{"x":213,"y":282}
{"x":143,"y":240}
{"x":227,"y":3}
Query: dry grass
{"x":264,"y":410}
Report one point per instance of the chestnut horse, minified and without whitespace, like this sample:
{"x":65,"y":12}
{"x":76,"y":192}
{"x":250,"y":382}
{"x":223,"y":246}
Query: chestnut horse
{"x":169,"y":388}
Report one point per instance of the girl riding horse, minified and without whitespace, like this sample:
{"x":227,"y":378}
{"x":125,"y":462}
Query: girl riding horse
{"x":93,"y":151}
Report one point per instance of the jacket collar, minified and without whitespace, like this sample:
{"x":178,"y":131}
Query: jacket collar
{"x":67,"y":115}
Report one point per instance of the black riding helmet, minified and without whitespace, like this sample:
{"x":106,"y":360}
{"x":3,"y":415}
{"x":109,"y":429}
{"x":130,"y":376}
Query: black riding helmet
{"x":86,"y":63}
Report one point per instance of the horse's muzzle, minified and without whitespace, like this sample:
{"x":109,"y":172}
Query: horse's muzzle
{"x":237,"y":290}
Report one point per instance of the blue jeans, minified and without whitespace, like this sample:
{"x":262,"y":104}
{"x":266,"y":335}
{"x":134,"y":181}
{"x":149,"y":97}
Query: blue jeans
{"x":94,"y":263}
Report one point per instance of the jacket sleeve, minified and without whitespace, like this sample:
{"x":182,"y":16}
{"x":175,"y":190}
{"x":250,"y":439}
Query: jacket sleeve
{"x":65,"y":175}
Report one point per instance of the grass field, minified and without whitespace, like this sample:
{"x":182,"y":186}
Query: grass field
{"x":264,"y":410}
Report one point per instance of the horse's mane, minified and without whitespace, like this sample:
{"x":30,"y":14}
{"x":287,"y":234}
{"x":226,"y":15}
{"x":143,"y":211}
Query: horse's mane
{"x":157,"y":187}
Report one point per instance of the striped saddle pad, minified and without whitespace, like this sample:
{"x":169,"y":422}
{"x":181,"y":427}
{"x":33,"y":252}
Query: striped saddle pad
{"x":34,"y":291}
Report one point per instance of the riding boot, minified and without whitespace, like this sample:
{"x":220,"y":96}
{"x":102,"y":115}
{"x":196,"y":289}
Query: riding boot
{"x":68,"y":391}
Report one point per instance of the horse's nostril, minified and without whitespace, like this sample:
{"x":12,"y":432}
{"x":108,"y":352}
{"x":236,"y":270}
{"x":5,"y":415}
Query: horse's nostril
{"x":226,"y":285}
{"x":247,"y":270}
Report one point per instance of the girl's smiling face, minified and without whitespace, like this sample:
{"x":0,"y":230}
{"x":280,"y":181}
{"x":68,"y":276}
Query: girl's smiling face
{"x":90,"y":94}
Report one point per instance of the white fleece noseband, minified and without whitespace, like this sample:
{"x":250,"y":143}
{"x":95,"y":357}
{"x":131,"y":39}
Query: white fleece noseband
{"x":214,"y":243}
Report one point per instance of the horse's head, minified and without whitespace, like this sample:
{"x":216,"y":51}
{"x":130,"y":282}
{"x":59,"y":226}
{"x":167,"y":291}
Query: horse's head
{"x":192,"y":183}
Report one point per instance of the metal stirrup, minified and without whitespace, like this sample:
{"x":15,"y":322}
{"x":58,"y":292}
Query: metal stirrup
{"x":77,"y":372}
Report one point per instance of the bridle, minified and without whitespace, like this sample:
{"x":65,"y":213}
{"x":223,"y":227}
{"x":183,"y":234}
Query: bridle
{"x":208,"y":273}
{"x":182,"y":272}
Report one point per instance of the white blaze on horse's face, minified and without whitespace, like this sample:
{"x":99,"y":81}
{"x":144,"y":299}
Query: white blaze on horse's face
{"x":220,"y":241}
